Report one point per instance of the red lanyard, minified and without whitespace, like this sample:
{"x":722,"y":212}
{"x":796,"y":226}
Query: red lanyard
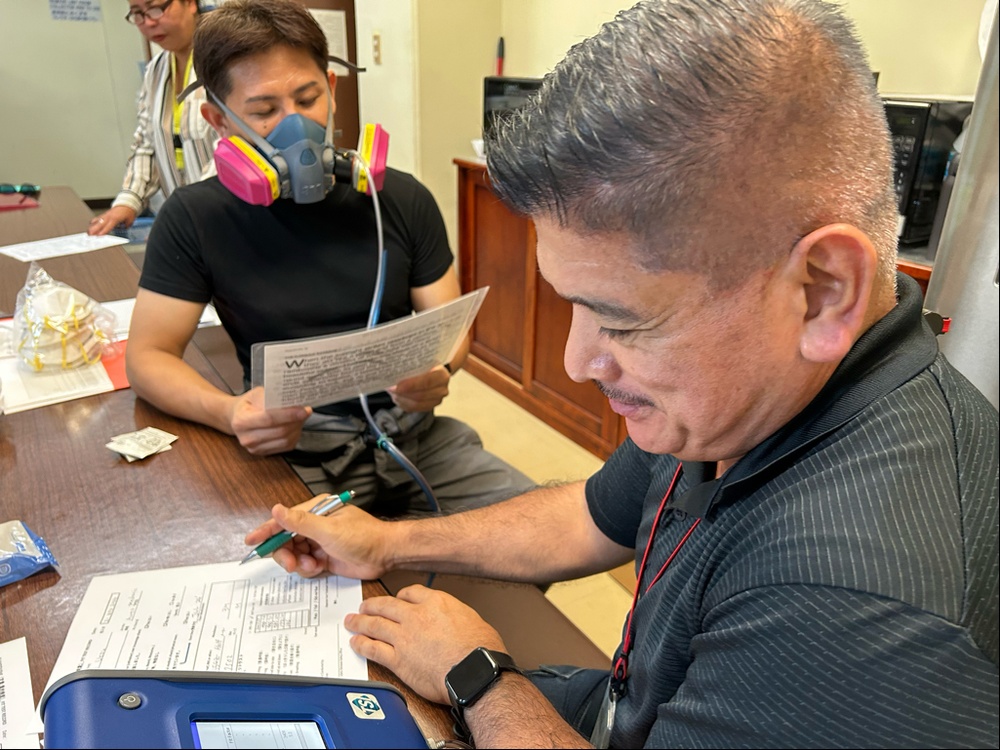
{"x":619,"y":674}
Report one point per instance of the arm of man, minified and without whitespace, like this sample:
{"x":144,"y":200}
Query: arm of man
{"x":512,"y":540}
{"x":425,"y":391}
{"x":420,"y":634}
{"x":160,"y":331}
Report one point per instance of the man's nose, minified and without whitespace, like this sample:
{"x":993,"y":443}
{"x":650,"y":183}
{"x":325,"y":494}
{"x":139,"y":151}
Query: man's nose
{"x":585,"y":357}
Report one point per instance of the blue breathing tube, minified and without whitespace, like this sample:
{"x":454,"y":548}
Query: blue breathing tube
{"x":382,"y":440}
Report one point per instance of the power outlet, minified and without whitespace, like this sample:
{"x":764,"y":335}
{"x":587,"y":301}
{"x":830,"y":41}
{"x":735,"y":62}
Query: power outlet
{"x":377,"y":48}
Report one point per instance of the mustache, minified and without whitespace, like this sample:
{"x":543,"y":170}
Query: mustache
{"x":621,"y":396}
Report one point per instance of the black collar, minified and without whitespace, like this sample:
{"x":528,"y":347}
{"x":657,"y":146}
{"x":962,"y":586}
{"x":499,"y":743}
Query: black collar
{"x":891,"y":352}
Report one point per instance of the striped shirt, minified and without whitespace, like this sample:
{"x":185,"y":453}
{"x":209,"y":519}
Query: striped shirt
{"x":152,"y":165}
{"x":841,"y":590}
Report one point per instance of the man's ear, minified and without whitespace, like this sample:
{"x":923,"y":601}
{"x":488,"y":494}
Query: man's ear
{"x":216,"y":118}
{"x":836,"y":265}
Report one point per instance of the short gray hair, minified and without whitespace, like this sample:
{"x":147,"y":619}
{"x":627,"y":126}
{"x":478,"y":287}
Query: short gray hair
{"x":761,"y":113}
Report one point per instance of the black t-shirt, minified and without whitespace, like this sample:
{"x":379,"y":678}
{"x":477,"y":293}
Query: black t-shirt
{"x":291,"y":270}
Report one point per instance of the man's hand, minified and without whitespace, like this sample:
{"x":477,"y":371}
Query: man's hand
{"x":264,"y":432}
{"x":111,"y":218}
{"x":350,"y":542}
{"x":420,"y":634}
{"x":421,"y":392}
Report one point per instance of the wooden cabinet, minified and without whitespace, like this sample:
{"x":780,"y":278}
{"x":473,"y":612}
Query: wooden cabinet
{"x":520,"y":332}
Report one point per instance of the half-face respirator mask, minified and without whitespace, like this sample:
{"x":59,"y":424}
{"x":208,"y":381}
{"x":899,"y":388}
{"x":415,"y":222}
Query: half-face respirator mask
{"x":297,"y":160}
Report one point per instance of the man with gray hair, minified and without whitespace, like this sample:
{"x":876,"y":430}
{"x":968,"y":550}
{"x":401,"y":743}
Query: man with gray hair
{"x":809,"y":489}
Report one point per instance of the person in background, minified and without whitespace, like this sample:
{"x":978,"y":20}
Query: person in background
{"x":809,"y":490}
{"x":293,"y":270}
{"x":173,"y":144}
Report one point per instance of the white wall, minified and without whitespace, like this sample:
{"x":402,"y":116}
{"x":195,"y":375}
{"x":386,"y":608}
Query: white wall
{"x":457,"y":48}
{"x":387,"y":93}
{"x":428,"y":90}
{"x":67,"y":89}
{"x":67,"y":96}
{"x":918,"y":46}
{"x":538,"y":34}
{"x":923,"y":47}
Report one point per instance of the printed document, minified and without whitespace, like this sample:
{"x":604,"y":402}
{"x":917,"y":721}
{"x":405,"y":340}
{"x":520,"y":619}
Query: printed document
{"x":18,"y":722}
{"x":21,"y":389}
{"x":326,"y":369}
{"x":223,"y":617}
{"x":71,"y":244}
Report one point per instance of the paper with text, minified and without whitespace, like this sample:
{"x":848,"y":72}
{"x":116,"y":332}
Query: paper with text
{"x":18,"y":725}
{"x":24,"y":389}
{"x":223,"y":617}
{"x":326,"y":369}
{"x":71,"y":244}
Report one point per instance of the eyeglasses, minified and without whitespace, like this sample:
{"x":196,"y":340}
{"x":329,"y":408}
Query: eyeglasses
{"x":153,"y":13}
{"x":25,"y":189}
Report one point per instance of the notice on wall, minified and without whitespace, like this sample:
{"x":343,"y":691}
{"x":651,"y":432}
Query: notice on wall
{"x":75,"y":10}
{"x":334,"y":25}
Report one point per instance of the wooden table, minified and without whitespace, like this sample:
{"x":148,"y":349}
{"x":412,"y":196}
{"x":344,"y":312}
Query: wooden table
{"x":101,"y":515}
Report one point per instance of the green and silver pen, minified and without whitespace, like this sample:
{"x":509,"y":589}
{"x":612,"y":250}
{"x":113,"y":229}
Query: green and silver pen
{"x":325,"y":506}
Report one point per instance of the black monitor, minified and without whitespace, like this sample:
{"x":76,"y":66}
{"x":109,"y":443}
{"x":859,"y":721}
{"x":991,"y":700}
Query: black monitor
{"x":503,"y":95}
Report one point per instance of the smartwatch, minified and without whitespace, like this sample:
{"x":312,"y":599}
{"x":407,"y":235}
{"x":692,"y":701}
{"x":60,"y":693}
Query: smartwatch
{"x":469,"y":680}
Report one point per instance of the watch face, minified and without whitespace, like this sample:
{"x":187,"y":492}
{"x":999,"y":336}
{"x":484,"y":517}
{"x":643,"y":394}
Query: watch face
{"x":470,"y":677}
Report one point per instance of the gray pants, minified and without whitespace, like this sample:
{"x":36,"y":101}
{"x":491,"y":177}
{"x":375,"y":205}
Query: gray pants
{"x":337,"y":454}
{"x":575,"y":692}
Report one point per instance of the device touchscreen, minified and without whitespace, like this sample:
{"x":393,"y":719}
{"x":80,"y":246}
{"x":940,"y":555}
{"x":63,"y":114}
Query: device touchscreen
{"x":222,"y":735}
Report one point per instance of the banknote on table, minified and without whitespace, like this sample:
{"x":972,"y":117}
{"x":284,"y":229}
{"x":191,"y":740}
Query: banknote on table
{"x":141,"y":443}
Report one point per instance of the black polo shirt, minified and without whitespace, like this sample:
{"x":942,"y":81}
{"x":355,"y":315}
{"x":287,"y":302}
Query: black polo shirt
{"x":841,"y":589}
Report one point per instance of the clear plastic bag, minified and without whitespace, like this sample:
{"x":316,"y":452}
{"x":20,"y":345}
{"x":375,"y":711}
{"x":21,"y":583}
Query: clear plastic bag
{"x":58,"y":327}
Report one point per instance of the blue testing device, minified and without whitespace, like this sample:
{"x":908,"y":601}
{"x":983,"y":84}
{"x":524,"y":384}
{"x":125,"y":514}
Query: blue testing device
{"x":142,"y":709}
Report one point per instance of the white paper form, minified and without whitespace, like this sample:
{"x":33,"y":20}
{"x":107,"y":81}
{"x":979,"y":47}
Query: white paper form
{"x":326,"y":369}
{"x":23,"y":390}
{"x":18,"y":725}
{"x":224,"y":617}
{"x":30,"y":390}
{"x":71,"y":244}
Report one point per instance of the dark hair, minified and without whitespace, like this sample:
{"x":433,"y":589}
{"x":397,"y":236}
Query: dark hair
{"x":240,"y":28}
{"x":682,"y":118}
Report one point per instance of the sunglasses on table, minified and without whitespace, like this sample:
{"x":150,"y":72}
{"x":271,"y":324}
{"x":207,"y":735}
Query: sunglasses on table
{"x":25,"y":189}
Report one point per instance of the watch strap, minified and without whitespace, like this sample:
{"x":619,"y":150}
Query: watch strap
{"x":504,"y":663}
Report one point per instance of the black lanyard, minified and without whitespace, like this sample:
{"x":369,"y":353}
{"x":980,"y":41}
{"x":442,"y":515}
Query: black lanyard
{"x":619,"y":675}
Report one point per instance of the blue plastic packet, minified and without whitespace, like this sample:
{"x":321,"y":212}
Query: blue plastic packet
{"x":22,"y":552}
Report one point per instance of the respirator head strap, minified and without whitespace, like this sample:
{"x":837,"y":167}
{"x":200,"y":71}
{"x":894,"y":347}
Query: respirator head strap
{"x":266,"y":148}
{"x":329,"y":152}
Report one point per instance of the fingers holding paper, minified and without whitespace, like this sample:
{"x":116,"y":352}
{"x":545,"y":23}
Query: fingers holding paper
{"x":420,"y":634}
{"x":421,"y":392}
{"x":264,"y":432}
